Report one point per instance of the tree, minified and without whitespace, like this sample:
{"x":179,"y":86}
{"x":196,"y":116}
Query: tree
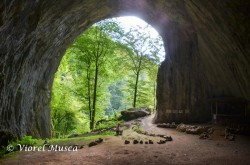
{"x":92,"y":49}
{"x":97,"y":74}
{"x":63,"y":102}
{"x":144,"y":49}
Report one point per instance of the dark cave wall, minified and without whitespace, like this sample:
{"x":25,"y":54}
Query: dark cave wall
{"x":181,"y":84}
{"x":207,"y":45}
{"x":33,"y":38}
{"x":215,"y":63}
{"x":224,"y":46}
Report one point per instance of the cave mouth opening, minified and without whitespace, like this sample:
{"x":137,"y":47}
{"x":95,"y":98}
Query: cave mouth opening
{"x":112,"y":66}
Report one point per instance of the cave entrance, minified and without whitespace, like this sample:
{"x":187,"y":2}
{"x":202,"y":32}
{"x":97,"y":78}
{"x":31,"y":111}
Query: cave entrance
{"x":35,"y":36}
{"x":110,"y":67}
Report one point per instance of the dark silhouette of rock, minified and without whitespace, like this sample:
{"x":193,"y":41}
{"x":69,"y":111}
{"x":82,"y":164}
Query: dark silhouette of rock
{"x":169,"y":138}
{"x":133,"y":113}
{"x":135,"y":142}
{"x":141,"y":142}
{"x":205,"y":77}
{"x":91,"y":144}
{"x":78,"y":146}
{"x":100,"y":140}
{"x":161,"y":142}
{"x":126,"y":142}
{"x":150,"y":142}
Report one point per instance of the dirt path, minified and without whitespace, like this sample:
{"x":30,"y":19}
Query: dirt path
{"x":184,"y":149}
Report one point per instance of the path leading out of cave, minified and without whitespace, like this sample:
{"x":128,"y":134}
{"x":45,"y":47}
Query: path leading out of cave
{"x":184,"y":149}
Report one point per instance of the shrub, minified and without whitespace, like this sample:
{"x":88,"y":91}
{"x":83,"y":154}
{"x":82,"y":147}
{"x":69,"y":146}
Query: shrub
{"x":25,"y":140}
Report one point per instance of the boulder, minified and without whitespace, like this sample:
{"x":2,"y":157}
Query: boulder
{"x":92,"y":144}
{"x":133,"y":113}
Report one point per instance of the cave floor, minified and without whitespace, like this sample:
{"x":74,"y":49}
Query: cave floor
{"x":184,"y":149}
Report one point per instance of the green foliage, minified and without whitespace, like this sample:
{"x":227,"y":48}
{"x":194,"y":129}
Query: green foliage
{"x":108,"y":133}
{"x":65,"y":108}
{"x":142,"y":51}
{"x":108,"y":124}
{"x":96,"y":77}
{"x":25,"y":140}
{"x":137,"y":128}
{"x":28,"y":140}
{"x":76,"y":141}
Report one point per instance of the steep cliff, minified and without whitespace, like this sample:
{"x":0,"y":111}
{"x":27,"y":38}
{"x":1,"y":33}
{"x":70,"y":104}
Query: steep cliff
{"x":215,"y":63}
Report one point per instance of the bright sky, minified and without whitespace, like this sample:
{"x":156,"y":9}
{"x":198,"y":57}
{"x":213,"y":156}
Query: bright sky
{"x":131,"y":21}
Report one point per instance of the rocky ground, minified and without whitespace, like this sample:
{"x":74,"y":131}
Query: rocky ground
{"x":184,"y":149}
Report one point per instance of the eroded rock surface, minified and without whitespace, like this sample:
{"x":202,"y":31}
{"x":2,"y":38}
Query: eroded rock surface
{"x":214,"y":62}
{"x":207,"y":45}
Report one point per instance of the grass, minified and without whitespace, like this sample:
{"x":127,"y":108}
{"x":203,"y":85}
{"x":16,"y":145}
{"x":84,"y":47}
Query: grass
{"x":76,"y":140}
{"x":81,"y":140}
{"x":108,"y":124}
{"x":28,"y":140}
{"x":137,"y":128}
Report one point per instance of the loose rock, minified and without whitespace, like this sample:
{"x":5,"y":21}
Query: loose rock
{"x":126,"y":142}
{"x":150,"y":142}
{"x":135,"y":142}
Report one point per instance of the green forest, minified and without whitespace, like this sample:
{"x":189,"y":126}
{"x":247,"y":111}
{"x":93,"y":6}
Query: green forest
{"x":106,"y":70}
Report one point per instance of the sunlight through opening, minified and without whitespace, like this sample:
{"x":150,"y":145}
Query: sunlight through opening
{"x":108,"y":71}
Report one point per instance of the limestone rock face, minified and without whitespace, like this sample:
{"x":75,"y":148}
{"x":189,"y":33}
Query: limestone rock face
{"x":207,"y":45}
{"x":213,"y":63}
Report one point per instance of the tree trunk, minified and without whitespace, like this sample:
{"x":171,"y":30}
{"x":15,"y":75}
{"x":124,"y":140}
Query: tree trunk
{"x":137,"y":79}
{"x":95,"y":95}
{"x":89,"y":98}
{"x":136,"y":86}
